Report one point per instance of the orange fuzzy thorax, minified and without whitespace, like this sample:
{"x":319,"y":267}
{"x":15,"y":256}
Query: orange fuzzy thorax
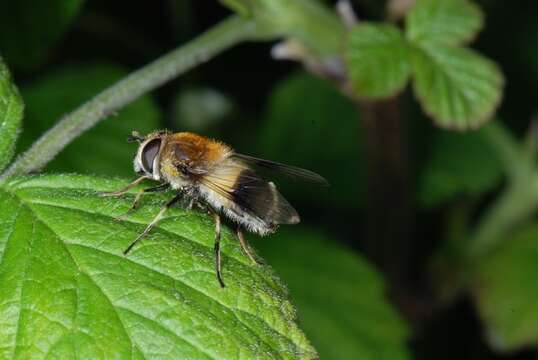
{"x":193,"y":150}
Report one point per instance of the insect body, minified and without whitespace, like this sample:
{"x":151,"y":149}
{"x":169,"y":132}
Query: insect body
{"x":209,"y":172}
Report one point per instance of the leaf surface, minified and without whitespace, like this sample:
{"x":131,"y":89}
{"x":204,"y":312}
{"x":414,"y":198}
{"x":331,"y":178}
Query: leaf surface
{"x":377,"y":57}
{"x":459,"y":164}
{"x":457,"y":87}
{"x":504,"y":286}
{"x":444,"y":22}
{"x":11,"y":110}
{"x":68,"y":292}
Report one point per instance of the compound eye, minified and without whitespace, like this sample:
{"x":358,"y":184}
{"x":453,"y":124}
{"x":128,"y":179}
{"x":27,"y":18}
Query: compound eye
{"x":151,"y":149}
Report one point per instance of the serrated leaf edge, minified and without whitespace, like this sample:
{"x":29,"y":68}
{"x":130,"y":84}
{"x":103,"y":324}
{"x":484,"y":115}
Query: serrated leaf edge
{"x":462,"y":42}
{"x":480,"y":121}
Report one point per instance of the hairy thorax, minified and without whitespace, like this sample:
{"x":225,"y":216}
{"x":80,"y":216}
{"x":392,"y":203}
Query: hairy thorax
{"x":187,"y":157}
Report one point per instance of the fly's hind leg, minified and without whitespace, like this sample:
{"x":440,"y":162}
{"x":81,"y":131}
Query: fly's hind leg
{"x":217,"y":250}
{"x":155,"y":220}
{"x":245,"y":247}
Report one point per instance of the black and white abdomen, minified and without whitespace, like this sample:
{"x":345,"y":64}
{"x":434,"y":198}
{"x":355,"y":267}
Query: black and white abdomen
{"x":252,"y":202}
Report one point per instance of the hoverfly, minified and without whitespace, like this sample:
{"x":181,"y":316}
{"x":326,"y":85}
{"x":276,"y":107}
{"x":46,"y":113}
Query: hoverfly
{"x":211,"y":174}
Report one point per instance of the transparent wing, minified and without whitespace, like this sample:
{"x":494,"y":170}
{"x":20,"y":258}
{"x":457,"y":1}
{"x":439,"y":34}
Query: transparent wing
{"x":288,"y":170}
{"x":251,"y":194}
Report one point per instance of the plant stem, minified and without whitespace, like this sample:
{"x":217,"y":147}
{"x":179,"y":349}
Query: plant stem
{"x":224,"y":35}
{"x":514,"y":207}
{"x":389,"y":212}
{"x":518,"y":202}
{"x":309,"y":22}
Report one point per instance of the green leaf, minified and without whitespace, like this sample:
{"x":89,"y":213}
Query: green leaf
{"x":377,"y":56}
{"x":505,"y":289}
{"x":340,"y":298}
{"x":11,"y":110}
{"x":457,"y":87}
{"x":321,"y":133}
{"x":68,"y":292}
{"x":28,"y":28}
{"x":59,"y":92}
{"x":443,"y":22}
{"x":459,"y":164}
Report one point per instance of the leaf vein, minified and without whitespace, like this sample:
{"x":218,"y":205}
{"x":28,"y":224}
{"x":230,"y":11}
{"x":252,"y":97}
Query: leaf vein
{"x":225,"y":306}
{"x":27,"y":265}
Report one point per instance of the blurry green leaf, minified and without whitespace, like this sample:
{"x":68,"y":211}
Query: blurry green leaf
{"x":103,"y":149}
{"x":459,"y":164}
{"x":11,"y":109}
{"x":311,"y":125}
{"x":457,"y":87}
{"x":444,"y":22}
{"x":505,"y":289}
{"x":68,"y":292}
{"x":28,"y":28}
{"x":200,"y":108}
{"x":340,"y":298}
{"x":377,"y":56}
{"x":309,"y":21}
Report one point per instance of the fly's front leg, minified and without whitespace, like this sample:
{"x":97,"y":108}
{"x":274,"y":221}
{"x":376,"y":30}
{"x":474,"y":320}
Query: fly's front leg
{"x":154,"y":222}
{"x":136,"y":201}
{"x":125,"y":189}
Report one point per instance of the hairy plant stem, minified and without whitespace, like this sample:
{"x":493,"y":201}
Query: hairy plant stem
{"x":224,"y":35}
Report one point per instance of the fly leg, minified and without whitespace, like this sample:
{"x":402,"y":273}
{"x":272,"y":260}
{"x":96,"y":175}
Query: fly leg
{"x":217,"y":250}
{"x":192,"y":195}
{"x":125,"y":189}
{"x":245,"y":247}
{"x":136,"y":201}
{"x":155,"y":220}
